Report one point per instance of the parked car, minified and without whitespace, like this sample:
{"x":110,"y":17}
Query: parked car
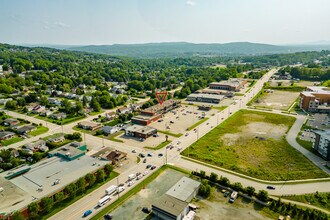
{"x":146,"y":210}
{"x":153,"y":167}
{"x":141,"y":155}
{"x":155,"y":135}
{"x":160,"y":155}
{"x":270,"y":187}
{"x":149,"y":154}
{"x":227,"y":193}
{"x":87,"y":213}
{"x":144,"y":160}
{"x":186,"y":134}
{"x":133,"y":151}
{"x":107,"y":217}
{"x":148,"y":166}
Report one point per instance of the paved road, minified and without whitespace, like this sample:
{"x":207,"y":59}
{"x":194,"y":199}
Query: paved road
{"x":76,"y":210}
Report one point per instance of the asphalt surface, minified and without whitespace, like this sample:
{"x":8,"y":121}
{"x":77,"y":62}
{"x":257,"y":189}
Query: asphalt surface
{"x":76,"y":210}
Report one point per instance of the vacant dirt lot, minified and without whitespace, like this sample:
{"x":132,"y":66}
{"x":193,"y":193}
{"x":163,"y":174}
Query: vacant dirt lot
{"x":280,"y":100}
{"x":288,"y":83}
{"x":132,"y":208}
{"x":218,"y":207}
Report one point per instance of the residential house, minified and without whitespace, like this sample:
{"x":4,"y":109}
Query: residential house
{"x":5,"y":135}
{"x":36,"y":146}
{"x":26,"y":129}
{"x":124,"y":110}
{"x":110,"y":116}
{"x":56,"y":138}
{"x":88,"y":125}
{"x":45,"y":113}
{"x":11,"y":122}
{"x":110,"y":129}
{"x":58,"y":116}
{"x":54,"y":101}
{"x":38,"y":109}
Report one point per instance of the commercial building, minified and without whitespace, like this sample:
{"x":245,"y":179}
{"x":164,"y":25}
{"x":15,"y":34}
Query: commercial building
{"x":69,"y":152}
{"x":209,"y":98}
{"x":322,"y":143}
{"x":232,"y":84}
{"x":116,"y":156}
{"x":9,"y":174}
{"x":174,"y":205}
{"x":315,"y":99}
{"x":140,"y":131}
{"x":155,"y":112}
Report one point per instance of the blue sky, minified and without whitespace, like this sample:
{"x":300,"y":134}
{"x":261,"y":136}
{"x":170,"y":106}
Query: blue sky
{"x":82,"y":22}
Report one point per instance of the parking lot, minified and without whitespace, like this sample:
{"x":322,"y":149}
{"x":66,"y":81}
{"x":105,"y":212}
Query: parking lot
{"x":148,"y":142}
{"x":319,"y":121}
{"x":132,"y":208}
{"x":181,"y":119}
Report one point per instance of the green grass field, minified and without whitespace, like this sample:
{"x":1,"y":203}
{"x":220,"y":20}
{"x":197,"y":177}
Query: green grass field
{"x":11,"y":141}
{"x":159,"y":146}
{"x":233,"y":145}
{"x":196,"y":124}
{"x":321,"y":200}
{"x":39,"y":130}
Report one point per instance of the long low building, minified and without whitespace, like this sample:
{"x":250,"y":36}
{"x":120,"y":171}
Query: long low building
{"x":232,"y":84}
{"x":174,"y":205}
{"x":155,"y":112}
{"x":209,"y":98}
{"x":140,"y":131}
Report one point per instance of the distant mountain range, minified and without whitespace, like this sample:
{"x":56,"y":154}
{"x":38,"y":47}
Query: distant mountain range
{"x":176,"y":49}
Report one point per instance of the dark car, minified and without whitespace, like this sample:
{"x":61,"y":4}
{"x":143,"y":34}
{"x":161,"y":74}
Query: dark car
{"x":87,"y":213}
{"x":146,"y":210}
{"x":141,"y":155}
{"x":148,"y":166}
{"x":227,"y":193}
{"x":160,"y":155}
{"x":145,"y":160}
{"x":107,"y":217}
{"x":153,"y":167}
{"x":270,"y":187}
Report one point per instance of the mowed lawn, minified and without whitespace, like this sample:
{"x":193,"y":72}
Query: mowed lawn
{"x":253,"y":143}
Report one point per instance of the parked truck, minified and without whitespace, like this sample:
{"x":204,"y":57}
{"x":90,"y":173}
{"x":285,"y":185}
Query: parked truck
{"x":111,"y":190}
{"x":233,"y":196}
{"x":131,"y":177}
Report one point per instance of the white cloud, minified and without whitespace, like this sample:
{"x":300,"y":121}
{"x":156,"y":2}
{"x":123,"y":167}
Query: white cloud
{"x":61,"y":24}
{"x":191,"y":2}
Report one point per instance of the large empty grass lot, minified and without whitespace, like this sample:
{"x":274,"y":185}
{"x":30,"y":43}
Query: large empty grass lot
{"x":253,"y":143}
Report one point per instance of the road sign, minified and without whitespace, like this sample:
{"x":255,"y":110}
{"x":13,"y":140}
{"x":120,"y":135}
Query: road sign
{"x":161,"y":96}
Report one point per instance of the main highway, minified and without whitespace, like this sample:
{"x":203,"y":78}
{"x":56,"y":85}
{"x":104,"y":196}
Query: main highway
{"x":76,"y":210}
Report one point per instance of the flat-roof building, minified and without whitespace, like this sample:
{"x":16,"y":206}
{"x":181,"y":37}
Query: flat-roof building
{"x":155,"y":112}
{"x":209,"y":98}
{"x":70,"y":151}
{"x":89,"y":125}
{"x":140,"y":131}
{"x":232,"y":84}
{"x":174,"y":205}
{"x":315,"y":99}
{"x":322,"y":143}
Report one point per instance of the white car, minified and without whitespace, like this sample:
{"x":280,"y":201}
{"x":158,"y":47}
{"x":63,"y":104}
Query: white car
{"x":186,"y":134}
{"x":145,"y":173}
{"x":130,"y":183}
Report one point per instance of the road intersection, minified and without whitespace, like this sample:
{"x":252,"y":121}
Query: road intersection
{"x":76,"y":210}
